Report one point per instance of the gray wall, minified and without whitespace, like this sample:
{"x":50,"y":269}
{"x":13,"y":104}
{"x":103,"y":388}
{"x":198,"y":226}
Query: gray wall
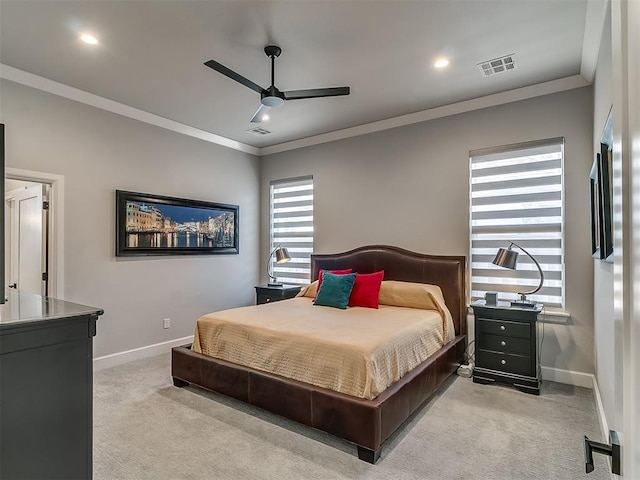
{"x":99,"y":152}
{"x":603,"y":271}
{"x":409,"y":187}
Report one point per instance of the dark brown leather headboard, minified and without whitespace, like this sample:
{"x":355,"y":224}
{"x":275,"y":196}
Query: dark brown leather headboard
{"x":449,"y":272}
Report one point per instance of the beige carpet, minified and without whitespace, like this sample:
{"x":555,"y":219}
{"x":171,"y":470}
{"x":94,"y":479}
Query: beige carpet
{"x":145,"y":428}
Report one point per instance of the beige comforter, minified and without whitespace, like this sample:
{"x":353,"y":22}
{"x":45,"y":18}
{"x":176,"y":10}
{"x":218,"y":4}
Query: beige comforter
{"x":357,"y":351}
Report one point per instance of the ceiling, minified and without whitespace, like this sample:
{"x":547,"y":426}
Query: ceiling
{"x":150,"y":55}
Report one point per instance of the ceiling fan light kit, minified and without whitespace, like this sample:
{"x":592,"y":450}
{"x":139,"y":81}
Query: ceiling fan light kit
{"x":272,"y":97}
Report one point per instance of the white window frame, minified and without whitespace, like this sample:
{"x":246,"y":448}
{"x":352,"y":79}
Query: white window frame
{"x":484,"y":245}
{"x":297,"y":235}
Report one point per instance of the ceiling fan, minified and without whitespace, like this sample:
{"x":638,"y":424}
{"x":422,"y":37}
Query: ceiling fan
{"x":272,"y":97}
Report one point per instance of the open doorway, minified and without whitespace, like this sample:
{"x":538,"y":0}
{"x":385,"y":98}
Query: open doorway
{"x":27,"y":236}
{"x":33,"y":221}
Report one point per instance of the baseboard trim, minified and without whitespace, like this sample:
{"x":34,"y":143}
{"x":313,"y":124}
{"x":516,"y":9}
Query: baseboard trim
{"x":602,"y":419}
{"x":570,"y":377}
{"x":138,"y":353}
{"x":604,"y":425}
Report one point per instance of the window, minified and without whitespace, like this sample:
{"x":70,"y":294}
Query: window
{"x":292,"y":227}
{"x":517,"y":194}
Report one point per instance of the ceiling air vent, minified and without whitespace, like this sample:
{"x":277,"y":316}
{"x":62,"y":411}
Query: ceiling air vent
{"x":498,"y":65}
{"x":258,"y":131}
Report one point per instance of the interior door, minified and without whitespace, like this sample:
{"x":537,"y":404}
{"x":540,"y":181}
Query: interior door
{"x":27,"y":240}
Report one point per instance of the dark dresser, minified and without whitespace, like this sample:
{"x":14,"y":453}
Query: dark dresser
{"x":506,"y":349}
{"x":268,"y":294}
{"x":46,"y":388}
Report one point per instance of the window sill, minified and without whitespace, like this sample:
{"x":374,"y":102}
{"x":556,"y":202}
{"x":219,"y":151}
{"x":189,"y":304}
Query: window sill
{"x":553,"y":315}
{"x":548,"y":315}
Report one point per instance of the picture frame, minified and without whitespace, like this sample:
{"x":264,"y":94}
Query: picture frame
{"x":148,"y":224}
{"x":597,"y":238}
{"x":606,"y":213}
{"x":606,"y":169}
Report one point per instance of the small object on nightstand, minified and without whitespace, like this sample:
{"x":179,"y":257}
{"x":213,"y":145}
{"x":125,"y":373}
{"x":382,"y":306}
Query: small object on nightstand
{"x":270,"y":293}
{"x":507,"y":345}
{"x":491,"y":298}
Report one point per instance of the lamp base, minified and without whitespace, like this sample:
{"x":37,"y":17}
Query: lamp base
{"x":523,"y":304}
{"x":274,"y":284}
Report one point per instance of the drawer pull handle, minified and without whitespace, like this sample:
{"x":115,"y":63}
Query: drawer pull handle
{"x":502,"y":327}
{"x":503,"y":343}
{"x":503,"y":362}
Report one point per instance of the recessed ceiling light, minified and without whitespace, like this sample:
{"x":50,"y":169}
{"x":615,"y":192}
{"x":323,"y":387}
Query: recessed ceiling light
{"x":441,"y":63}
{"x":265,"y":118}
{"x":88,"y":38}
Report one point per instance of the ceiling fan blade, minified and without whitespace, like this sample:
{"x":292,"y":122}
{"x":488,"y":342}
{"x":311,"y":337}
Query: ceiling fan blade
{"x":316,"y":92}
{"x":257,"y":117}
{"x":218,"y":67}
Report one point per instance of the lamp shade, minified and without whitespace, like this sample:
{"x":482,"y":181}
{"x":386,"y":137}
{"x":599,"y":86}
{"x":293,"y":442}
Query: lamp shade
{"x":506,"y":258}
{"x":282,"y":255}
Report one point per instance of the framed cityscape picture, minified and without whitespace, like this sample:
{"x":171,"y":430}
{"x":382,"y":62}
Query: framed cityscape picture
{"x":157,"y":225}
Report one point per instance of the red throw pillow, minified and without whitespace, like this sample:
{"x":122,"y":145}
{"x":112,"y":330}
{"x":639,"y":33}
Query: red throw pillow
{"x":336,"y":272}
{"x":366,"y":290}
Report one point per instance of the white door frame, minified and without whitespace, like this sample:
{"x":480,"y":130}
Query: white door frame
{"x":56,"y":225}
{"x":625,"y":15}
{"x":631,"y":411}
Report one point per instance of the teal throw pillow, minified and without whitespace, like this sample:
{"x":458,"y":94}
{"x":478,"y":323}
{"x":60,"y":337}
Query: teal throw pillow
{"x":335,"y":290}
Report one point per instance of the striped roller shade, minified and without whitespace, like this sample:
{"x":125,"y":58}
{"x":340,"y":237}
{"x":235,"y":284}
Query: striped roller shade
{"x":517,"y":194}
{"x":292,"y":227}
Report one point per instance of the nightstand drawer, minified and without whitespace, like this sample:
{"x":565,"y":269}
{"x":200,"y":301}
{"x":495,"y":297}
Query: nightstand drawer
{"x":518,"y":364}
{"x":499,"y":343}
{"x":270,"y":294}
{"x":503,"y":327}
{"x":262,"y":298}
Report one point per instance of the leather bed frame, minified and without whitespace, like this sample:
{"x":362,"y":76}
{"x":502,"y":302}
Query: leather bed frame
{"x":367,"y":423}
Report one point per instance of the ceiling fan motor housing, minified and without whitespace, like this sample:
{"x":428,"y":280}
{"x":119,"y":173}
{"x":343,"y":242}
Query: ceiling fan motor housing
{"x":272,"y":51}
{"x":272,"y":97}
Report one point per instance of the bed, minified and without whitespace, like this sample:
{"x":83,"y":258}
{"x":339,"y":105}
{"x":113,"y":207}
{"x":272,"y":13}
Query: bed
{"x":366,"y":422}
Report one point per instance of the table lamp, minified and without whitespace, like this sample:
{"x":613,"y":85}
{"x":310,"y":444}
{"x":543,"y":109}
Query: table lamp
{"x":282,"y":256}
{"x":507,"y":258}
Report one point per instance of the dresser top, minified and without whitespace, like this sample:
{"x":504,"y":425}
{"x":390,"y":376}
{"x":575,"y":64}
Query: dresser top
{"x":22,"y":308}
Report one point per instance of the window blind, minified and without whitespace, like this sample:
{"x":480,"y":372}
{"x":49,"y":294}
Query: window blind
{"x":517,"y":194}
{"x":292,"y":227}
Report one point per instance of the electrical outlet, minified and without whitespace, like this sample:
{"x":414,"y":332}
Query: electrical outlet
{"x":167,"y":323}
{"x":465,"y":370}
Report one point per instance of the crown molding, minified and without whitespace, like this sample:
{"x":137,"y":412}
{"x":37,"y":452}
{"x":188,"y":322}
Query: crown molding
{"x":593,"y":28}
{"x":56,"y":88}
{"x":546,"y":88}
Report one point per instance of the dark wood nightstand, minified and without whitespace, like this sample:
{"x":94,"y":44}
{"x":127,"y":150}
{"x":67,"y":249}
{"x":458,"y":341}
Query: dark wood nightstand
{"x":267,"y":294}
{"x":507,"y":345}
